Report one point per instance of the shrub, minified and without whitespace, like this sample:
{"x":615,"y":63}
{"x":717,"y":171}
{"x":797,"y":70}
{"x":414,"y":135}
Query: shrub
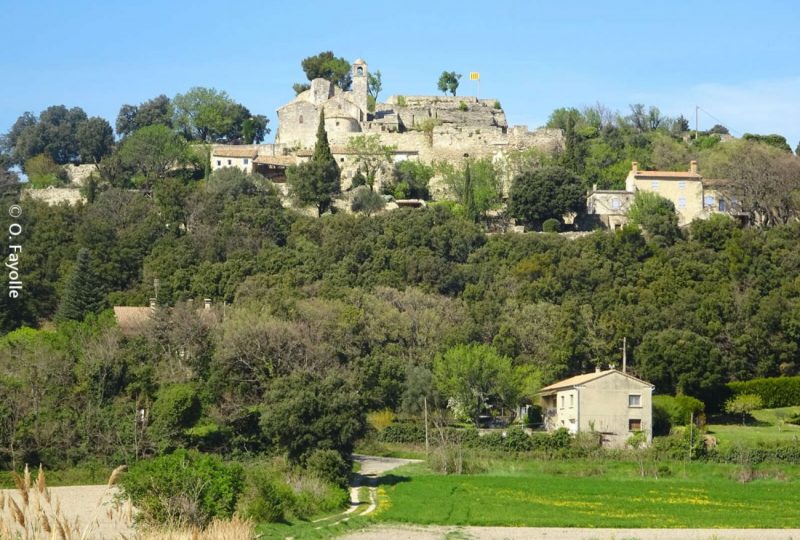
{"x":669,"y":411}
{"x":402,"y":433}
{"x":401,"y":101}
{"x":177,"y":408}
{"x":774,"y":392}
{"x":516,"y":440}
{"x":551,"y":225}
{"x":463,"y":107}
{"x":497,"y":104}
{"x":329,"y":465}
{"x":270,"y":500}
{"x":183,"y":488}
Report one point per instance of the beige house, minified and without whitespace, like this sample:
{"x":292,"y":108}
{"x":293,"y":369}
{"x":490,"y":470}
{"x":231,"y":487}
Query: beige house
{"x":611,"y":403}
{"x":693,"y":197}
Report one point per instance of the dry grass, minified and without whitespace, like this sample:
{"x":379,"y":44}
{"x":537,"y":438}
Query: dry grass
{"x":232,"y":529}
{"x":32,"y":512}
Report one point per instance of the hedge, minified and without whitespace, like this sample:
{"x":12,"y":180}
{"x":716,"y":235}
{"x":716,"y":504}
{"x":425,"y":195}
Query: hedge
{"x":774,"y":392}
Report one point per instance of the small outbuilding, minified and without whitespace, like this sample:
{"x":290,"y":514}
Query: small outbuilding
{"x":613,"y":404}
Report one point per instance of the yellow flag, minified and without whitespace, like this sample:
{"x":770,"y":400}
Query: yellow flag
{"x":474,"y":76}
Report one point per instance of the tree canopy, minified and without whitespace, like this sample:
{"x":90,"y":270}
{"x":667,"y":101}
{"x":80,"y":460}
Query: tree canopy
{"x":546,"y":193}
{"x":326,"y":66}
{"x":448,"y":82}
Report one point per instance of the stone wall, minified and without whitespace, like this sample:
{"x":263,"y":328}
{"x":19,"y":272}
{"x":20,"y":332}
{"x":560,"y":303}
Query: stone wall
{"x":54,"y":195}
{"x":78,"y":174}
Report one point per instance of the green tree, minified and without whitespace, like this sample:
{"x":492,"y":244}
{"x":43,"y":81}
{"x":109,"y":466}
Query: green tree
{"x":254,"y":129}
{"x":776,"y":141}
{"x":448,"y":82}
{"x":42,"y":172}
{"x":208,"y":115}
{"x":326,"y":66}
{"x":409,"y":180}
{"x":82,"y":293}
{"x":681,"y":361}
{"x":95,"y":139}
{"x":304,"y":412}
{"x":316,"y":181}
{"x":52,"y":133}
{"x":476,"y":185}
{"x":371,"y":157}
{"x":176,"y":409}
{"x":367,"y":201}
{"x":152,"y":152}
{"x":546,"y":193}
{"x":743,"y":404}
{"x":158,"y":110}
{"x":374,"y":87}
{"x":476,"y":377}
{"x":655,"y":215}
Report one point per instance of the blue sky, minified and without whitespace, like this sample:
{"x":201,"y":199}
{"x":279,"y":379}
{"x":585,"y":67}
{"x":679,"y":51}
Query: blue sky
{"x":737,"y":60}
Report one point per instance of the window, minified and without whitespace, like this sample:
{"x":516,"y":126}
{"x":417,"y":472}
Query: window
{"x":722,"y":207}
{"x":634,"y":400}
{"x":634,"y":424}
{"x":708,"y":200}
{"x":654,"y":185}
{"x":571,"y":401}
{"x":230,"y":162}
{"x":300,"y":120}
{"x":681,"y":202}
{"x":682,"y":184}
{"x":562,"y":402}
{"x":359,"y":70}
{"x":337,"y":122}
{"x":219,"y":163}
{"x":245,"y":161}
{"x":615,"y":203}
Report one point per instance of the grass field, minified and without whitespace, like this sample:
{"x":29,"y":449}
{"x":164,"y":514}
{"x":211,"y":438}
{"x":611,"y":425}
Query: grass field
{"x":767,"y":425}
{"x":549,"y":495}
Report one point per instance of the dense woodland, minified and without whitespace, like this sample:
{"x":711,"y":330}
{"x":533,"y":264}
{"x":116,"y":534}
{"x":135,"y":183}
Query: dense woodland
{"x":316,"y":321}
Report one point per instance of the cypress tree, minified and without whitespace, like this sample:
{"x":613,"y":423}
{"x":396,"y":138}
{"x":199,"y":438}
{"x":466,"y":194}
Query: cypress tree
{"x":82,"y":293}
{"x":317,"y":181}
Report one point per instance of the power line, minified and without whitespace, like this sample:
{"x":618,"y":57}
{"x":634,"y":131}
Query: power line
{"x":720,"y":122}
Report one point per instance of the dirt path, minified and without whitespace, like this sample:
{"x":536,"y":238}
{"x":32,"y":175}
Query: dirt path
{"x":541,"y":533}
{"x":367,"y":477}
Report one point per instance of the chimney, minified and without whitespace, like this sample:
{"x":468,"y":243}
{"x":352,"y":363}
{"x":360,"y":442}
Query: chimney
{"x":693,"y":167}
{"x":207,"y":303}
{"x":153,"y":304}
{"x":635,"y":166}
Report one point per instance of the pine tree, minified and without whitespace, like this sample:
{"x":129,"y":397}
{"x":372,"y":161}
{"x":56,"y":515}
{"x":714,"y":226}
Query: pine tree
{"x":82,"y":293}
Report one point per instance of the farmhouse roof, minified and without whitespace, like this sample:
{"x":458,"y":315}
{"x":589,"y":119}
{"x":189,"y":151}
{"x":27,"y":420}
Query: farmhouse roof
{"x":579,"y":380}
{"x":281,"y":161}
{"x":235,"y":151}
{"x":132,"y":320}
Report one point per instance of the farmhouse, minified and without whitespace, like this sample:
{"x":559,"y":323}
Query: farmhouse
{"x":611,"y":403}
{"x":693,"y":197}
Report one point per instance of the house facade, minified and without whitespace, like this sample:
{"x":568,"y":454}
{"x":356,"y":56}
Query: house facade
{"x":611,"y":403}
{"x":693,"y":197}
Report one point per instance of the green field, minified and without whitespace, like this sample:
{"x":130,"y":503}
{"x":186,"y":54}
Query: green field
{"x":595,"y":495}
{"x":766,"y":425}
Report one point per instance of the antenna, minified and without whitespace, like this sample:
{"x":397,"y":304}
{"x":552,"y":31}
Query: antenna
{"x":696,"y":120}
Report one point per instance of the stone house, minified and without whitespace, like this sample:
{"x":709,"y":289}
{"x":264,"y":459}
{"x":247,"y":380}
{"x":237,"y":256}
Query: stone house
{"x":611,"y":403}
{"x":693,"y":197}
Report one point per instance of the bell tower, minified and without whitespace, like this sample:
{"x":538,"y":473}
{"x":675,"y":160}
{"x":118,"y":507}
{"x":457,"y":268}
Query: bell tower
{"x":360,"y":83}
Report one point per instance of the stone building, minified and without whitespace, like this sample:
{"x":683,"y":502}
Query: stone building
{"x":693,"y":197}
{"x":426,"y":128}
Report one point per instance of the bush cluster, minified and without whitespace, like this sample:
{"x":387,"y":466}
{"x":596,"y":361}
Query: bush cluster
{"x":185,"y":488}
{"x":672,"y":411}
{"x":774,"y":391}
{"x":402,"y":432}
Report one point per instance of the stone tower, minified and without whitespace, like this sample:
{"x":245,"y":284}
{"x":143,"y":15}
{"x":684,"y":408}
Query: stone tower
{"x":359,"y":75}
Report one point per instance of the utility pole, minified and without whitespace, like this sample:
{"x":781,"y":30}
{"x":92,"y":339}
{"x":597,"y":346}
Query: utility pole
{"x":624,"y":354}
{"x":425,"y":400}
{"x":696,"y":120}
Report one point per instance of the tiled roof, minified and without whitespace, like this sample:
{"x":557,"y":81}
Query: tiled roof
{"x":132,"y":320}
{"x":585,"y":378}
{"x":281,"y":161}
{"x":234,"y":151}
{"x":667,"y":174}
